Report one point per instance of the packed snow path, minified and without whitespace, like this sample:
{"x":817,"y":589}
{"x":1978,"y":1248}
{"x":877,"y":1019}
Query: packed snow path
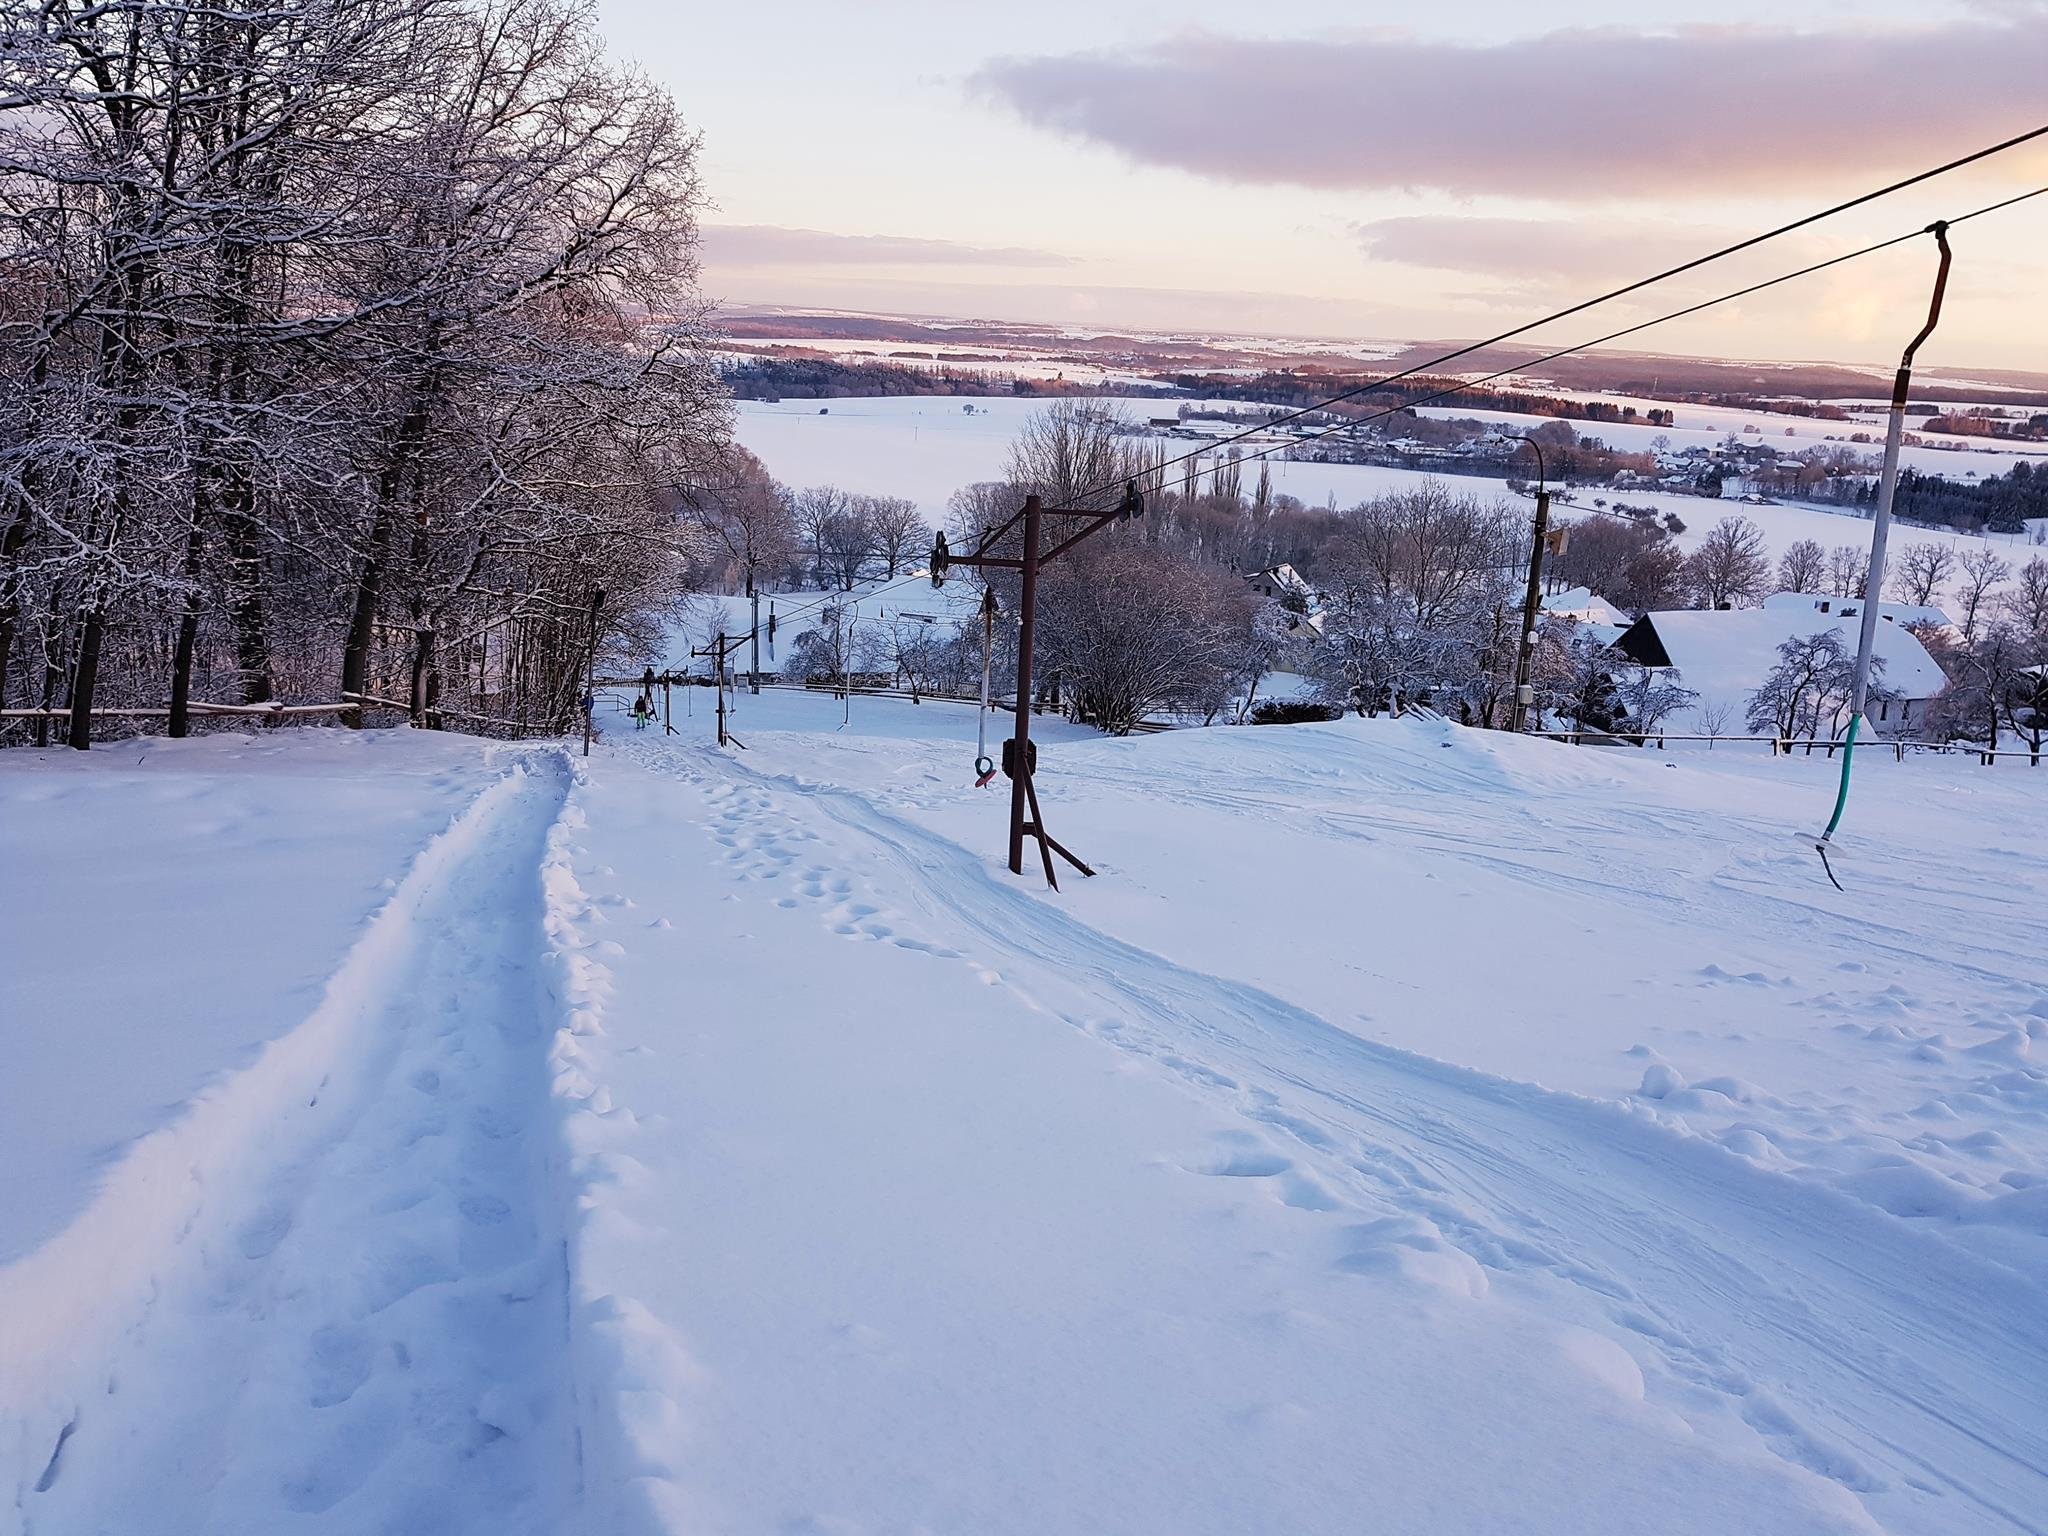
{"x":358,"y":1324}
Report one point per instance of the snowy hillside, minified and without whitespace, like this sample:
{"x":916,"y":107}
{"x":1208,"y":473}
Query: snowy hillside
{"x":1479,"y":1132}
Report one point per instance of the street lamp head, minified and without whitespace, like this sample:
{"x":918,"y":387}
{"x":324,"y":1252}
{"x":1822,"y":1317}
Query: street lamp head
{"x":1535,"y":448}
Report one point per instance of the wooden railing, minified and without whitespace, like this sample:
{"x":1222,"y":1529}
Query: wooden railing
{"x":1784,"y":746}
{"x":252,"y":711}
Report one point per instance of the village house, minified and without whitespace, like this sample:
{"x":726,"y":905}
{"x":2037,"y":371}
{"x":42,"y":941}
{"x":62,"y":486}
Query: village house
{"x":1724,"y":655}
{"x":1282,"y":583}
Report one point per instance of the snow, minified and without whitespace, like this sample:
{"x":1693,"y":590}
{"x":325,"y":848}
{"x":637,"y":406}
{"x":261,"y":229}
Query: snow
{"x":326,"y":1283}
{"x":184,"y":847}
{"x":1477,"y":1132}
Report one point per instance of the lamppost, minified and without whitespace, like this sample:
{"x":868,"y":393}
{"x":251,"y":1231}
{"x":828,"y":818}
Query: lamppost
{"x":1525,"y":649}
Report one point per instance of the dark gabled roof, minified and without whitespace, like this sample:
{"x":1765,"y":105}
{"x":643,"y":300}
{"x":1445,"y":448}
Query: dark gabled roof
{"x":1640,"y":642}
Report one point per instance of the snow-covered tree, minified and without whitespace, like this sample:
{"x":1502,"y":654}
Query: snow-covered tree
{"x":1982,"y":571}
{"x":1808,"y":692}
{"x":1415,"y":585}
{"x":344,"y":341}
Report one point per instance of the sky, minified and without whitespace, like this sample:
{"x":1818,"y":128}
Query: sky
{"x":1312,"y":170}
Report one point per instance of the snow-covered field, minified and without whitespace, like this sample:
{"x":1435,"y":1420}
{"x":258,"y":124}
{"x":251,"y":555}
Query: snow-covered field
{"x":1703,"y":426}
{"x":1409,"y":1129}
{"x":926,"y":447}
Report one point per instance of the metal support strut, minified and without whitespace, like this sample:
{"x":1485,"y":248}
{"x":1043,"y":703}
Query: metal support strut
{"x":1873,"y":587}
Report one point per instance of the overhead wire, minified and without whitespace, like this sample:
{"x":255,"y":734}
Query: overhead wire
{"x":1613,"y":293}
{"x":1351,"y":423}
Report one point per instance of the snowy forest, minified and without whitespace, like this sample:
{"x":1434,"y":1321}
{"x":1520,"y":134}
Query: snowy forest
{"x":347,"y":349}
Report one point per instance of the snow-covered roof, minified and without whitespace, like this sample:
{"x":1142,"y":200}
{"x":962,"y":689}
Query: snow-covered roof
{"x":1898,"y":613}
{"x":1724,"y":654}
{"x":1585,"y":604}
{"x":1283,"y":576}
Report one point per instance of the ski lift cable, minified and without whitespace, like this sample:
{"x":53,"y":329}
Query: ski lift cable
{"x":1644,"y":325}
{"x":1613,"y":293}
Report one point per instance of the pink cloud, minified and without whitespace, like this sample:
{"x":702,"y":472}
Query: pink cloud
{"x":1562,"y":116}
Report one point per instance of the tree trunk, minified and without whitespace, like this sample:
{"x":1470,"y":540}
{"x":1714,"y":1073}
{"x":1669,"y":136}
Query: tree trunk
{"x":188,"y":640}
{"x":53,"y":664}
{"x":426,"y":680}
{"x":11,"y":542}
{"x":245,"y":592}
{"x":86,"y":677}
{"x":362,"y":627}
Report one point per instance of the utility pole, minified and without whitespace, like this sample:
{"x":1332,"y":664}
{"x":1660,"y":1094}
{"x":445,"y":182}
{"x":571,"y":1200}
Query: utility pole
{"x":590,"y":669}
{"x":1022,"y":753}
{"x":1025,"y":817}
{"x":846,"y":624}
{"x":1888,"y":486}
{"x":721,"y":646}
{"x":1525,"y":644}
{"x":754,"y":675}
{"x":984,"y":767}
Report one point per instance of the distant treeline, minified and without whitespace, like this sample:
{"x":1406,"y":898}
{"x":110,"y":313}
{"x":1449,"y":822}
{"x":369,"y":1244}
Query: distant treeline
{"x":1294,"y":391}
{"x":1776,"y":405}
{"x":826,"y":378}
{"x":2009,"y":424}
{"x":2000,"y":504}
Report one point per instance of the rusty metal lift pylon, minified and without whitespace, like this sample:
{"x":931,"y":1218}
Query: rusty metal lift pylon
{"x":1026,"y":819}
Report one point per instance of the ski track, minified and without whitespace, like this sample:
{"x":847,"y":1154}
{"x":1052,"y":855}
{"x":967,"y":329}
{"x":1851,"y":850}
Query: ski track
{"x":1856,"y":1345}
{"x":362,"y":1325}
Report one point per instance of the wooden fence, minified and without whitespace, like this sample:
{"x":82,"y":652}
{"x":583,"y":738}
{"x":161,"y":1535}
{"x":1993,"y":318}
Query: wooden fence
{"x":1783,"y":746}
{"x":269,"y":712}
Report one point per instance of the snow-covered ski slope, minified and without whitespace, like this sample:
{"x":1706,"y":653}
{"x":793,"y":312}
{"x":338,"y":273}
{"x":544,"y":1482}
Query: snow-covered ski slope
{"x":1410,"y":1130}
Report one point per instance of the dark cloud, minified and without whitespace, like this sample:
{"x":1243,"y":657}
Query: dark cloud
{"x":762,"y":245}
{"x":1570,"y":114}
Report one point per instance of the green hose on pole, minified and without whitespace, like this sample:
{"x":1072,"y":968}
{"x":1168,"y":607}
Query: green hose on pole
{"x":1841,"y":799}
{"x":1842,"y":794}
